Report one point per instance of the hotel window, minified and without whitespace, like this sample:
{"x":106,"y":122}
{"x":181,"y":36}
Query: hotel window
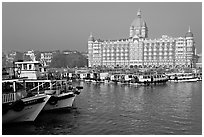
{"x":189,"y":49}
{"x":145,"y":49}
{"x":168,"y":43}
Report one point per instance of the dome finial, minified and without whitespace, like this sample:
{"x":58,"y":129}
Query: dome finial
{"x":139,"y":13}
{"x":189,"y":33}
{"x":91,"y":34}
{"x":189,"y":29}
{"x":91,"y":38}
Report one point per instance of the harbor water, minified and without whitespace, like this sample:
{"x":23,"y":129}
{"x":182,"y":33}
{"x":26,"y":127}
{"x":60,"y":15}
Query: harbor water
{"x":110,"y":109}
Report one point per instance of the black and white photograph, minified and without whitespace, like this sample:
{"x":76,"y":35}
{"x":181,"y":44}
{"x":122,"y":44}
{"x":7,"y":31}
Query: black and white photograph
{"x":101,"y":68}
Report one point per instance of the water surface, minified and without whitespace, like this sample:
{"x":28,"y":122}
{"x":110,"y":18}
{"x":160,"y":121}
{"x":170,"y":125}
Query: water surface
{"x":109,"y":109}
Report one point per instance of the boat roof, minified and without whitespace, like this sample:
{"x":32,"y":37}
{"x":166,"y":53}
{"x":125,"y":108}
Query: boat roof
{"x":28,"y":62}
{"x":39,"y":80}
{"x":31,"y":80}
{"x":10,"y":80}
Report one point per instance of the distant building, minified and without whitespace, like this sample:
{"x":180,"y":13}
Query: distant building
{"x":10,"y":56}
{"x":31,"y":54}
{"x":47,"y":56}
{"x":140,"y":51}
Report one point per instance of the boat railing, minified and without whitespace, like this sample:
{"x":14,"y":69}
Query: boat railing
{"x":10,"y":97}
{"x":37,"y":87}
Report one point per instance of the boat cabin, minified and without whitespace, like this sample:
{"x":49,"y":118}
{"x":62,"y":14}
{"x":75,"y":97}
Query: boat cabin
{"x":30,"y":69}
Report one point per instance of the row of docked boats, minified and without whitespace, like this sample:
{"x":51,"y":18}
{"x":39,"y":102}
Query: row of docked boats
{"x":25,"y":96}
{"x":138,"y":79}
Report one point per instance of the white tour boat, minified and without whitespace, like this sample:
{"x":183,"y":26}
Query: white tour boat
{"x":151,"y":79}
{"x":182,"y":77}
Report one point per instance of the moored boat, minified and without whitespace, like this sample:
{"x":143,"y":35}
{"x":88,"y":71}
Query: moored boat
{"x":17,"y":106}
{"x":62,"y":96}
{"x":62,"y":93}
{"x":182,"y":77}
{"x":151,"y":79}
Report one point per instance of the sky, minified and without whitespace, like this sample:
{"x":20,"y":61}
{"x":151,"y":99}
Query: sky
{"x":46,"y":26}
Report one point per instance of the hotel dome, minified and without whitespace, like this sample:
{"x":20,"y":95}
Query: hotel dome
{"x":138,"y":22}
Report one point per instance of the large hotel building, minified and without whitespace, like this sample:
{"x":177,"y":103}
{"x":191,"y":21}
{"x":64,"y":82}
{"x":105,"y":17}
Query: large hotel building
{"x":139,"y":51}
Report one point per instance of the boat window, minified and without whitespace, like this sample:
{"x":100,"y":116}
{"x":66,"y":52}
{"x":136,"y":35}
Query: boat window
{"x":36,"y":66}
{"x":24,"y":66}
{"x":7,"y":87}
{"x":19,"y":86}
{"x":30,"y":66}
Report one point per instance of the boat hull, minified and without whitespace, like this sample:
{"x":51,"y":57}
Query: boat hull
{"x":185,"y":80}
{"x":62,"y":101}
{"x":29,"y":112}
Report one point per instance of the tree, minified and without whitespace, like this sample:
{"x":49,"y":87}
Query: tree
{"x":72,"y":60}
{"x":58,"y":61}
{"x":27,"y":58}
{"x":37,"y":55}
{"x":19,"y":56}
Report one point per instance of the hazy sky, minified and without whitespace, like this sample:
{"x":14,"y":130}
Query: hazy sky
{"x":51,"y":26}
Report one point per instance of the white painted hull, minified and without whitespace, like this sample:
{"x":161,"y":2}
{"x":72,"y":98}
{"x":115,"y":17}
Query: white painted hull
{"x":106,"y":81}
{"x":134,"y":84}
{"x":87,"y":80}
{"x":63,"y":103}
{"x":185,"y":80}
{"x":29,"y":113}
{"x":121,"y":83}
{"x":93,"y":81}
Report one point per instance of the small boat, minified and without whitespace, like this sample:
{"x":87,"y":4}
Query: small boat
{"x":62,"y":96}
{"x":151,"y":79}
{"x":17,"y":106}
{"x":182,"y":77}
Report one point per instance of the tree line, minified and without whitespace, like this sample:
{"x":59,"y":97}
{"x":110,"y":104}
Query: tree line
{"x":71,"y":60}
{"x":59,"y":60}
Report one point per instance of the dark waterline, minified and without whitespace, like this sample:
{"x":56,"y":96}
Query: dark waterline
{"x":102,"y":109}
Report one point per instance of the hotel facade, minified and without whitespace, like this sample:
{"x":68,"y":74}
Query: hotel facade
{"x":139,"y":51}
